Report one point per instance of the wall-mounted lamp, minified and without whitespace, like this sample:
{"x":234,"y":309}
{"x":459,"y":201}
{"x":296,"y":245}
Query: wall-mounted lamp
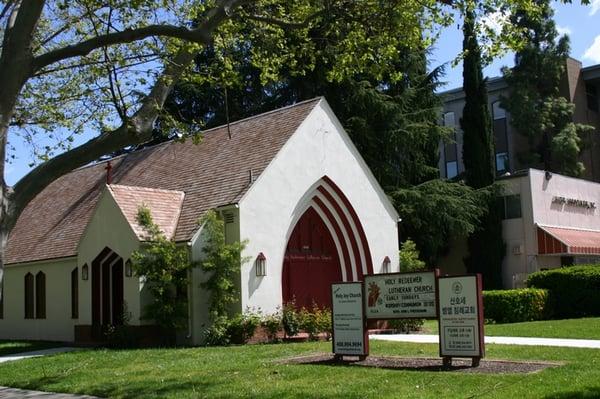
{"x":128,"y":268}
{"x":261,"y":265}
{"x":387,"y":265}
{"x":85,"y":272}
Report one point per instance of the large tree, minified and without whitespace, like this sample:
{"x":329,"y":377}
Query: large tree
{"x":537,"y":109}
{"x":108,"y":66}
{"x":486,"y":246}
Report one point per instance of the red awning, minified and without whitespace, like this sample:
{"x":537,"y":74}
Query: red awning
{"x":568,"y":241}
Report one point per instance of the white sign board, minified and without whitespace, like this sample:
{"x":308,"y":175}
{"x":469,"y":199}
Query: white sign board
{"x":461,"y":316}
{"x":400,"y":295}
{"x":349,"y":337}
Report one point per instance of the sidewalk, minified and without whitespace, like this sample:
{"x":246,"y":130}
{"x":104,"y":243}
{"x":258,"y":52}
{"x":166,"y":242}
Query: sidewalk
{"x":434,"y":339}
{"x":14,"y":393}
{"x":43,"y":352}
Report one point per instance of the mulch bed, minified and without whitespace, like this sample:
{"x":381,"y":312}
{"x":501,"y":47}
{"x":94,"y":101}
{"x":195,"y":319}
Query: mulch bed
{"x":425,"y":364}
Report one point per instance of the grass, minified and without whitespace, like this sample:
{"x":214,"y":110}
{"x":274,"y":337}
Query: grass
{"x":588,"y":328}
{"x":12,"y":347}
{"x":250,"y":372}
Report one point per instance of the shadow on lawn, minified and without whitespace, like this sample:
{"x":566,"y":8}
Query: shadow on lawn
{"x":587,"y":392}
{"x":165,"y":388}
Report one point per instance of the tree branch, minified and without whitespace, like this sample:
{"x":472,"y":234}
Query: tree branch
{"x":135,"y":130}
{"x":285,"y":24}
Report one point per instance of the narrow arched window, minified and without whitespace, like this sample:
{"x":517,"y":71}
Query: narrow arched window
{"x":40,"y":295}
{"x":29,"y":296}
{"x":74,"y":294}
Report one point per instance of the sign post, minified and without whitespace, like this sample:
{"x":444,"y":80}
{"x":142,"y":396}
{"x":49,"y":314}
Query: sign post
{"x":401,"y":295}
{"x":461,"y":318}
{"x":349,"y":333}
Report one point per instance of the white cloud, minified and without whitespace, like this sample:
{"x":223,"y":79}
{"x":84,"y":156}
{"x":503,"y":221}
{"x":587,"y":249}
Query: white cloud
{"x":595,"y":7}
{"x":593,"y":52}
{"x":564,"y":30}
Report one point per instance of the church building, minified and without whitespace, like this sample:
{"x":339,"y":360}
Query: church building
{"x":289,"y":181}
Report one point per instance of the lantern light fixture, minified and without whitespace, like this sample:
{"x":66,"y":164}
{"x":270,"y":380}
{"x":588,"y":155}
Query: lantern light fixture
{"x":85,"y":272}
{"x":128,"y":268}
{"x":261,"y":265}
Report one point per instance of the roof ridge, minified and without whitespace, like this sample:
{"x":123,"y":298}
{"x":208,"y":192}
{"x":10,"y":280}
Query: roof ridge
{"x":171,"y":141}
{"x":142,"y":188}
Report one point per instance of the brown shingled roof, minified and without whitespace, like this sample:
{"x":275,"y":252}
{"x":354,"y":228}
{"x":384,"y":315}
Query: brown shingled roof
{"x":164,"y":206}
{"x":211,"y":174}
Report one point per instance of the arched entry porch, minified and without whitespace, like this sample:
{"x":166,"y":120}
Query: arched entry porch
{"x":327,"y":244}
{"x":107,"y":291}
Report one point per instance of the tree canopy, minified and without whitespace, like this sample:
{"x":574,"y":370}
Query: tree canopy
{"x":108,"y":66}
{"x":538,"y":110}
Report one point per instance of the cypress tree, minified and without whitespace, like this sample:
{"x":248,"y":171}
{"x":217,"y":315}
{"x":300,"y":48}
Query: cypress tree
{"x":486,"y":247}
{"x":476,"y":122}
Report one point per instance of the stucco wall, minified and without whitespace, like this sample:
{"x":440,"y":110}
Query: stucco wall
{"x":267,"y":211}
{"x":552,"y":214}
{"x":108,"y":228}
{"x":58,"y":324}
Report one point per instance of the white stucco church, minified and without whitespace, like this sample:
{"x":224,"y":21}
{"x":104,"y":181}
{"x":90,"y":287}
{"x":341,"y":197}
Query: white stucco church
{"x":289,"y":181}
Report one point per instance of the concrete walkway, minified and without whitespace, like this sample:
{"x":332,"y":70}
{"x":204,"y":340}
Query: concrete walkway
{"x":434,"y":339}
{"x":13,"y":393}
{"x":43,"y":352}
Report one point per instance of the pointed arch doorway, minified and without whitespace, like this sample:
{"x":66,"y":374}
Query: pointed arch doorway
{"x":311,"y":263}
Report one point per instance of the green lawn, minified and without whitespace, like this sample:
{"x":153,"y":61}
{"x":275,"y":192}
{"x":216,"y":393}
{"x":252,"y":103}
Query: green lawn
{"x":588,"y":328}
{"x":11,"y":347}
{"x":250,"y":372}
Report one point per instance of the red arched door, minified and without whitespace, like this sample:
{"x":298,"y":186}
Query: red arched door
{"x":311,"y":263}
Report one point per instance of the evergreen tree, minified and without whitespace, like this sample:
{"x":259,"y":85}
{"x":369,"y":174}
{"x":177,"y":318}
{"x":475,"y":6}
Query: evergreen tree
{"x":486,"y":247}
{"x":476,"y":120}
{"x":537,"y":109}
{"x":391,"y":118}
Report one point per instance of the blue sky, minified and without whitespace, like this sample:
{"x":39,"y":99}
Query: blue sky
{"x":582,"y":23}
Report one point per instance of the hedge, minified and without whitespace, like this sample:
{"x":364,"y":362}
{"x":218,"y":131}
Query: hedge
{"x":512,"y":306}
{"x":574,"y":290}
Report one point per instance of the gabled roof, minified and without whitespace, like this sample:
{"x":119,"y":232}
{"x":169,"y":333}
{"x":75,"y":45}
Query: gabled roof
{"x":211,"y":174}
{"x":164,"y":206}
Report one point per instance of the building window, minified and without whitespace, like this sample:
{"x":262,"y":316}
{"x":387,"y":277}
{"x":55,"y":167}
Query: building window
{"x":74,"y":294}
{"x":500,"y":138}
{"x":501,"y":162}
{"x":40,"y":295}
{"x":451,"y":169}
{"x":29,"y":296}
{"x":450,"y":149}
{"x":511,"y":205}
{"x":592,"y":97}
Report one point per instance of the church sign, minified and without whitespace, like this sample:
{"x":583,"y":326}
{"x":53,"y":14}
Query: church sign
{"x":349,"y":332}
{"x":461,"y":317}
{"x":401,"y":295}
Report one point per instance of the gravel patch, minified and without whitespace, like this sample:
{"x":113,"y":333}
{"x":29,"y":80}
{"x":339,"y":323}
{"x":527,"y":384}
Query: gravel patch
{"x":426,"y":364}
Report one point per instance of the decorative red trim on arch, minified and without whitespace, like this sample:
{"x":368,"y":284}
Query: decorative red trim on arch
{"x":348,"y":228}
{"x":340,"y":236}
{"x":357,"y":223}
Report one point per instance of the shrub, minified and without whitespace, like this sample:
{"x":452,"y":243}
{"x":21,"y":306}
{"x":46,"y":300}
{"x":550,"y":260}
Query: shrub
{"x":235,"y":330}
{"x":242,"y":327}
{"x":511,"y":306}
{"x":272,"y":325}
{"x":406,"y":325}
{"x":575,"y":290}
{"x":290,"y":319}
